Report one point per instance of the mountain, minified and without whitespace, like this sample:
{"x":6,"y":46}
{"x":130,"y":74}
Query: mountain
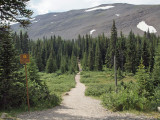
{"x":96,"y":20}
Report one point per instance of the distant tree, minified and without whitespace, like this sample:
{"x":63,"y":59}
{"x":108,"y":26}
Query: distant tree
{"x":98,"y":57}
{"x":145,"y":53}
{"x":144,"y":81}
{"x":111,"y":50}
{"x":156,"y":69}
{"x":130,"y":64}
{"x":113,"y":42}
{"x":73,"y":64}
{"x":64,"y":66}
{"x":51,"y":64}
{"x":84,"y":61}
{"x":91,"y":59}
{"x":121,"y":48}
{"x":39,"y":62}
{"x":25,"y":43}
{"x":33,"y":71}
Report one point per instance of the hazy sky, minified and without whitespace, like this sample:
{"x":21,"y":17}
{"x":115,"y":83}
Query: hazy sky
{"x":45,"y":6}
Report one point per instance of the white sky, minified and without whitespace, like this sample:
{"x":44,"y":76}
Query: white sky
{"x":46,"y":6}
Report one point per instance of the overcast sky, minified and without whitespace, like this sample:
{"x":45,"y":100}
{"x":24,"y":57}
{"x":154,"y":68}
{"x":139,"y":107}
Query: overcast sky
{"x":46,"y":6}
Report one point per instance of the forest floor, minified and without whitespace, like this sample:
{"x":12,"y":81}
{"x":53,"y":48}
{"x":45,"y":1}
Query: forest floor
{"x":77,"y":106}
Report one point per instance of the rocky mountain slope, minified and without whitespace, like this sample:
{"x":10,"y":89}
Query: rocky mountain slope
{"x":95,"y":21}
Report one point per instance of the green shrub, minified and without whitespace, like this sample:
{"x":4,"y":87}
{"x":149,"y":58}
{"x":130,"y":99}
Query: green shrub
{"x":155,"y":102}
{"x":98,"y":89}
{"x":125,"y":99}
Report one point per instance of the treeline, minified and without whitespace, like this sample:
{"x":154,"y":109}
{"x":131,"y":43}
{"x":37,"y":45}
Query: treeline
{"x":50,"y":54}
{"x":56,"y":54}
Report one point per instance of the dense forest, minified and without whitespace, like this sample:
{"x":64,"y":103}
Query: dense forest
{"x":134,"y":54}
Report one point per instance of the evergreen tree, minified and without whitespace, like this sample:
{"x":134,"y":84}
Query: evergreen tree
{"x":51,"y":64}
{"x":156,"y":70}
{"x":73,"y":64}
{"x":130,"y":64}
{"x":25,"y":43}
{"x":15,"y":11}
{"x":63,"y":67}
{"x":98,"y":57}
{"x":121,"y":48}
{"x":11,"y":84}
{"x":144,"y":80}
{"x":84,"y":61}
{"x":113,"y":43}
{"x":39,"y":62}
{"x":91,"y":59}
{"x":33,"y":71}
{"x":145,"y":53}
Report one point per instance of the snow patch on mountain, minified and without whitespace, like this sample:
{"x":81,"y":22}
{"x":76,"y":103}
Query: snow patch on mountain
{"x":144,"y":27}
{"x":13,"y":23}
{"x":117,"y":15}
{"x":55,"y":15}
{"x":91,"y":32}
{"x":34,"y":21}
{"x":99,"y":8}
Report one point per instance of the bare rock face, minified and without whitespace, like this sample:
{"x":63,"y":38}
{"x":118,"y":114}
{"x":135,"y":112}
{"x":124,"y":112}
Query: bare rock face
{"x":94,"y":21}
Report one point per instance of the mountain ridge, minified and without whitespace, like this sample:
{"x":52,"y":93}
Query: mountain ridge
{"x":71,"y":23}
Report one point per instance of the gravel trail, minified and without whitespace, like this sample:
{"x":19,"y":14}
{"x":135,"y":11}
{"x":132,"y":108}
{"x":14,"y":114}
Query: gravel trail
{"x":76,"y":106}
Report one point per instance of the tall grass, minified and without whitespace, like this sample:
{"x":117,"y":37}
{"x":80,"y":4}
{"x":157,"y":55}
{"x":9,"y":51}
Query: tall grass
{"x":99,"y":83}
{"x":58,"y":83}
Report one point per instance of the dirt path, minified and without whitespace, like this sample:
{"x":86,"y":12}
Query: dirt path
{"x":76,"y":106}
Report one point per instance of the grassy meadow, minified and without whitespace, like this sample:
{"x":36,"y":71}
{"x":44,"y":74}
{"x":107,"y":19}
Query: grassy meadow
{"x":58,"y":83}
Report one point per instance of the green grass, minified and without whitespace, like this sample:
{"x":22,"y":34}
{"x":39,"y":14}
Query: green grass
{"x":58,"y":83}
{"x":100,"y":82}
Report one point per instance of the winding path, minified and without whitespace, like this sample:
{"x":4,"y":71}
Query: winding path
{"x":76,"y":106}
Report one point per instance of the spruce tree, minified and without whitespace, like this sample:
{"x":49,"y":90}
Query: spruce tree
{"x":33,"y":71}
{"x":73,"y":63}
{"x":51,"y":64}
{"x":144,"y":80}
{"x":63,"y":67}
{"x":84,"y":61}
{"x":98,"y":58}
{"x":91,"y":59}
{"x":39,"y":62}
{"x":11,"y":84}
{"x":130,"y":64}
{"x":113,"y":42}
{"x":25,"y":43}
{"x":156,"y":70}
{"x":145,"y":53}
